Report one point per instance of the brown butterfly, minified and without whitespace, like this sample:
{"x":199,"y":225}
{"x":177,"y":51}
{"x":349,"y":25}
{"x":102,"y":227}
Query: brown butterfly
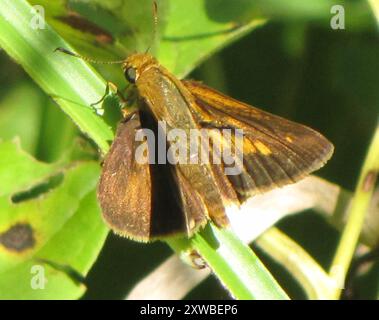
{"x":152,"y":200}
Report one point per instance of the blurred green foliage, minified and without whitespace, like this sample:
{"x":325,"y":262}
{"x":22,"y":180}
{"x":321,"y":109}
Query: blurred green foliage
{"x":295,"y":65}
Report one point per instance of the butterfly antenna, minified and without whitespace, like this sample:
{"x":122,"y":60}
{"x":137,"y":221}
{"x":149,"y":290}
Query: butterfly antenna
{"x":63,"y":50}
{"x":155,"y":27}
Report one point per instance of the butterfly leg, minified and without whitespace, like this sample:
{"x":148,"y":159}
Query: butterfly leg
{"x":130,"y":105}
{"x":111,"y":87}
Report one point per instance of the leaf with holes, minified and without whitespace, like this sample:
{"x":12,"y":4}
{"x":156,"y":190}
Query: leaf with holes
{"x":51,"y":229}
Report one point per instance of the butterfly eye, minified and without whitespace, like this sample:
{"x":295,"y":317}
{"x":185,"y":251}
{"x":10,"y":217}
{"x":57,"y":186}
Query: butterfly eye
{"x":131,"y":74}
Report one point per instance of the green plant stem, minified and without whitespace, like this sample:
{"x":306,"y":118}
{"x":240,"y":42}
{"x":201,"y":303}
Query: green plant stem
{"x":309,"y":274}
{"x":234,"y":264}
{"x":356,"y":216}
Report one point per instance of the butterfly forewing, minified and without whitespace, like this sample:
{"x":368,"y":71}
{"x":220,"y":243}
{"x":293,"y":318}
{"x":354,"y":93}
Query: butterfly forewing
{"x":275,"y":151}
{"x":124,"y":190}
{"x":146,"y":201}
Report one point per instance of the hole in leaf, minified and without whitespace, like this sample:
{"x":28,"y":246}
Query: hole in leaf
{"x":38,"y":189}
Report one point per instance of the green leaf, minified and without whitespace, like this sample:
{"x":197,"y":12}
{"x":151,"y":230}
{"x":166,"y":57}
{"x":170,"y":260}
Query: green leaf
{"x":72,"y":82}
{"x":18,"y":170}
{"x":20,"y":115}
{"x":186,"y":41}
{"x":50,"y":226}
{"x":43,"y":130}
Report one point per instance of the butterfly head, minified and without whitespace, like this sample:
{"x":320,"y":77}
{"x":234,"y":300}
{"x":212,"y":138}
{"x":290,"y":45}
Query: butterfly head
{"x":136,"y":64}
